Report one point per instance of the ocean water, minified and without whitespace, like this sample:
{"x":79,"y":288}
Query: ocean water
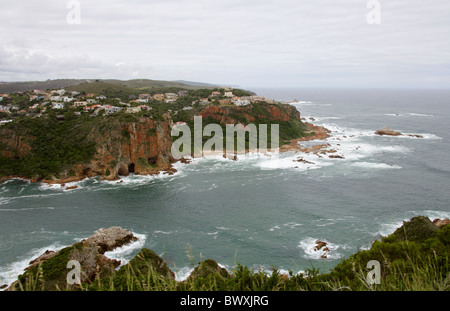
{"x":258,"y":211}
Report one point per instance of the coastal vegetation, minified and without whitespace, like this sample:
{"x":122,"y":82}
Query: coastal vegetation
{"x":415,"y":257}
{"x":81,"y":131}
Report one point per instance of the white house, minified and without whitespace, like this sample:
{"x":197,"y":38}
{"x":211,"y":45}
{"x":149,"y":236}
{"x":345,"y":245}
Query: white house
{"x":80,"y":103}
{"x":112,"y":109}
{"x":144,"y":107}
{"x":228,"y":94}
{"x":5,"y":121}
{"x":58,"y":105}
{"x":242,"y":102}
{"x":170,"y":97}
{"x":67,"y":99}
{"x":133,"y":109}
{"x":55,"y":98}
{"x":61,"y":92}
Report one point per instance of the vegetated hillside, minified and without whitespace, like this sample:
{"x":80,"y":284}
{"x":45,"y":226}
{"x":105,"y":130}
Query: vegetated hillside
{"x":109,"y":90}
{"x":55,"y":148}
{"x":11,"y":87}
{"x":147,"y":83}
{"x":286,"y":116}
{"x":19,"y":86}
{"x":78,"y":147}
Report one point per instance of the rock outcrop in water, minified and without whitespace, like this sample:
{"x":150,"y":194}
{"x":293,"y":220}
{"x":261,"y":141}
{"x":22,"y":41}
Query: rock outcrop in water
{"x":49,"y":270}
{"x":417,"y":242}
{"x":388,"y":132}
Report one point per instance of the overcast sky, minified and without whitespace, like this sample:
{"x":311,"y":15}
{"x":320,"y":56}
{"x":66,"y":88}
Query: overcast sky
{"x":293,"y":43}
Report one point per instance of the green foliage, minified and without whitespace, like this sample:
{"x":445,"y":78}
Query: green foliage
{"x":419,"y":265}
{"x":54,"y":146}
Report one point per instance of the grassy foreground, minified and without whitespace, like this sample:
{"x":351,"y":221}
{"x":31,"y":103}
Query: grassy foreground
{"x":414,"y":258}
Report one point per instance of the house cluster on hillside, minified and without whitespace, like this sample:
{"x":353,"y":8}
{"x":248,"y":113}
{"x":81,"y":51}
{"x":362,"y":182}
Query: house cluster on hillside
{"x":94,"y":104}
{"x":228,"y":98}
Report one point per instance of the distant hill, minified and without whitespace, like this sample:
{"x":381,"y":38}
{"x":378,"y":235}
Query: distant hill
{"x":107,"y":89}
{"x":146,"y":83}
{"x":11,"y":87}
{"x":201,"y":84}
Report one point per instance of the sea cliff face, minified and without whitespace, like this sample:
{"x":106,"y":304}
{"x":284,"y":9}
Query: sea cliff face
{"x":51,"y":150}
{"x":141,"y":146}
{"x":250,"y":114}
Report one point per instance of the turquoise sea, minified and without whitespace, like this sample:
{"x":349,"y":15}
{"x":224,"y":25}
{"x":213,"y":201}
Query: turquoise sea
{"x":258,"y":211}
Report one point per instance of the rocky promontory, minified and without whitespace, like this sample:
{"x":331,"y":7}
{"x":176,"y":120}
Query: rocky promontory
{"x":51,"y":267}
{"x":419,"y":243}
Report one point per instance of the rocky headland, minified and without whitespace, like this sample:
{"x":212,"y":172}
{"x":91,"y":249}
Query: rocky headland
{"x":114,"y":146}
{"x":419,"y":236}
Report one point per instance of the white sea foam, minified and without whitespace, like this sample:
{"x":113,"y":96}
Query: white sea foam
{"x":4,"y":200}
{"x":308,"y":245}
{"x":371,"y":165}
{"x":183,"y":273}
{"x":389,"y":228}
{"x":26,"y":209}
{"x":124,"y":252}
{"x":434,"y":214}
{"x":408,"y":114}
{"x":276,"y":227}
{"x":9,"y":273}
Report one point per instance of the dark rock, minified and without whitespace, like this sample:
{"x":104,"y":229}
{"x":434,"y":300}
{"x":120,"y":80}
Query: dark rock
{"x":319,"y":245}
{"x":441,"y":222}
{"x":388,"y":131}
{"x":109,"y":239}
{"x":49,"y":271}
{"x":335,"y":156}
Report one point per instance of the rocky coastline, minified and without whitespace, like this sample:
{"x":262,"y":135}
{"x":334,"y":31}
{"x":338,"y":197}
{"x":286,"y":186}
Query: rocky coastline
{"x":49,"y":271}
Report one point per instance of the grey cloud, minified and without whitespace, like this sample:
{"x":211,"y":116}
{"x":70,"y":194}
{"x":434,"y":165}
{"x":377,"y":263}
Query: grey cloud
{"x":255,"y":43}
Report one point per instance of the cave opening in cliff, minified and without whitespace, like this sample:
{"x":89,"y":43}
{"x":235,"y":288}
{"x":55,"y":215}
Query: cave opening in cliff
{"x":131,"y":168}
